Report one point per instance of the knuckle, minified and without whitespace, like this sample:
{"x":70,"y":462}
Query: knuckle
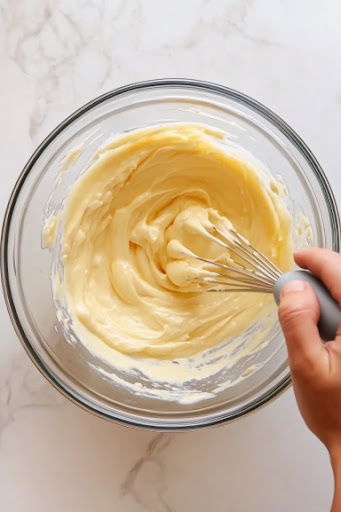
{"x":305,"y":368}
{"x":300,"y":364}
{"x":297,"y":368}
{"x":291,"y":313}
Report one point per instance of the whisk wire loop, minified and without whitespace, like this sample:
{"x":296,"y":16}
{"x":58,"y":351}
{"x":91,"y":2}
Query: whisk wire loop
{"x":253,"y":270}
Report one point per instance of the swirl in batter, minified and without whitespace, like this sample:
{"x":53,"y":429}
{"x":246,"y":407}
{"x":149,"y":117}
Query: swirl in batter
{"x":127,"y":279}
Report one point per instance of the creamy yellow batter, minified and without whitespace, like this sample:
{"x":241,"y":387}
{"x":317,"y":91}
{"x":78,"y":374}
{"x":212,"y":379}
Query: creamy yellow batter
{"x":130,"y":224}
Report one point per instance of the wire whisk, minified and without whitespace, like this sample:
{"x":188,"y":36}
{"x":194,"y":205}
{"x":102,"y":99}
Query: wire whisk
{"x":252,"y":271}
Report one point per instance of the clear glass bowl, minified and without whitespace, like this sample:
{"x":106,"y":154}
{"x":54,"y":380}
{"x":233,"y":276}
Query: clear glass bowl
{"x":41,"y":189}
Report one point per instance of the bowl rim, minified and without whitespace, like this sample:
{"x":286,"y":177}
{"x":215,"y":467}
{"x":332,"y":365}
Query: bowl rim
{"x":67,"y":391}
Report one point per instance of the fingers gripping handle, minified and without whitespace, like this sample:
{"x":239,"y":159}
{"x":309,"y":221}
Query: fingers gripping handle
{"x":330,"y":311}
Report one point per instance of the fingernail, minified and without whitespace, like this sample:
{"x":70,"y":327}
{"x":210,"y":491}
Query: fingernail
{"x":293,"y":286}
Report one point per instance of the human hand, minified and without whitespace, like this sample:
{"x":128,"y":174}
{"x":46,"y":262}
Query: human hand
{"x":315,"y":366}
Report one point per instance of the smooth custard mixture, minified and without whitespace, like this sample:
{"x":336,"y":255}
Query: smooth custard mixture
{"x":130,"y":224}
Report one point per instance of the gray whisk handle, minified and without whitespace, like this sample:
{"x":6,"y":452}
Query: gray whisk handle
{"x":330,"y":311}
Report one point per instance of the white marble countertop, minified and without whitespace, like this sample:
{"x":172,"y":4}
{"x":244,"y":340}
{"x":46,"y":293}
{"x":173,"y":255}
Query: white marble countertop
{"x":54,"y":56}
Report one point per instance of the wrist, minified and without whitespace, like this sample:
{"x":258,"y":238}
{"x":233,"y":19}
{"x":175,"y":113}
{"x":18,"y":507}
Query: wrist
{"x":335,"y":458}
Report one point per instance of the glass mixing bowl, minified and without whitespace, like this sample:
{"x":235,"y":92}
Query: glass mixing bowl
{"x":41,"y":190}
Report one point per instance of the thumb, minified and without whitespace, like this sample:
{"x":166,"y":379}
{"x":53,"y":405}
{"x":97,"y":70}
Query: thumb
{"x":299,"y":312}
